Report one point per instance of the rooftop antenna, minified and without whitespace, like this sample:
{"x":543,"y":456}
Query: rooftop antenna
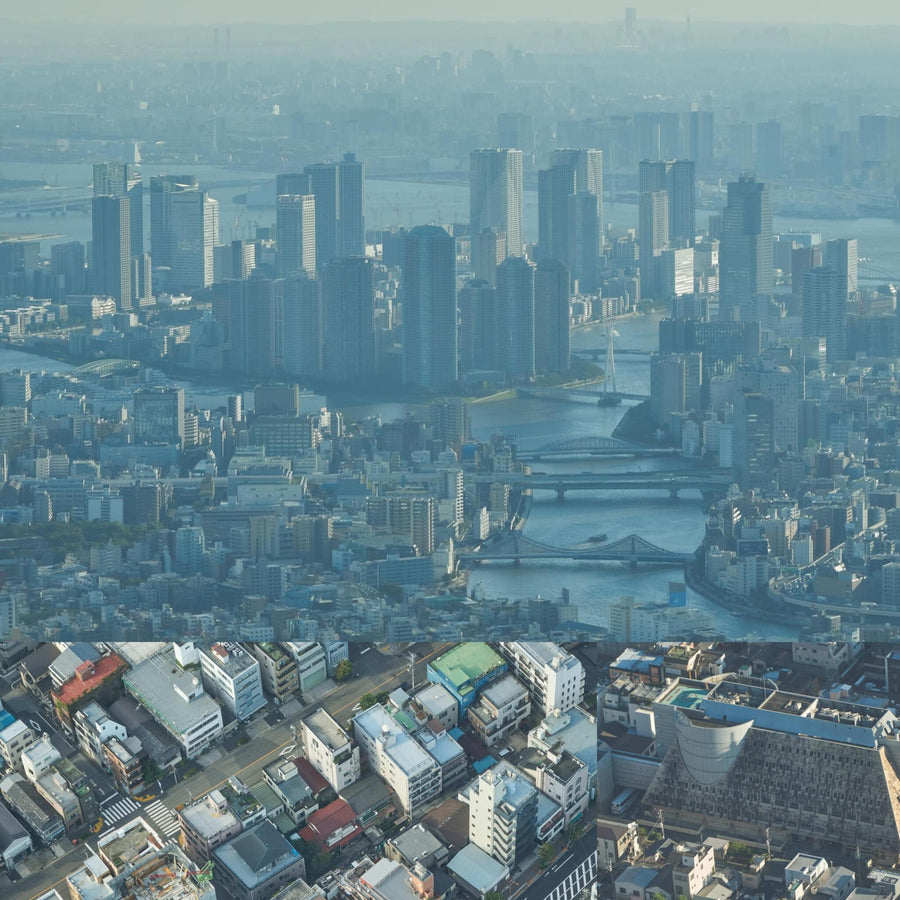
{"x":412,"y":669}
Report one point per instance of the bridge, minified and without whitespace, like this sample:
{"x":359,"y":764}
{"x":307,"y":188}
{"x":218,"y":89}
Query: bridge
{"x":869,"y":272}
{"x":591,"y":445}
{"x":673,"y":482}
{"x":597,"y":352}
{"x":103,"y":367}
{"x":578,"y":393}
{"x":512,"y":546}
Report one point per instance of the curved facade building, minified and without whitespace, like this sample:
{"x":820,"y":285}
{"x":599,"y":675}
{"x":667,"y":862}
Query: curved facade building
{"x":708,"y":750}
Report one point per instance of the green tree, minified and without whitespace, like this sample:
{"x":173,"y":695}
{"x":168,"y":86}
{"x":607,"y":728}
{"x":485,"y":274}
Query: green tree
{"x":367,"y":700}
{"x":343,"y":670}
{"x":574,"y":831}
{"x":493,"y":895}
{"x":546,"y":854}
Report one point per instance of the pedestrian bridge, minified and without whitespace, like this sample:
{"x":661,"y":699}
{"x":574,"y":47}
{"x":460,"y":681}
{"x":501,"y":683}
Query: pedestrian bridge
{"x":592,"y":445}
{"x":512,"y":546}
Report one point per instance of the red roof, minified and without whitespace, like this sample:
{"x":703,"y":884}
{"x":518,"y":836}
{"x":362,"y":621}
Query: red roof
{"x":311,"y":775}
{"x":326,"y":821}
{"x":88,"y":679}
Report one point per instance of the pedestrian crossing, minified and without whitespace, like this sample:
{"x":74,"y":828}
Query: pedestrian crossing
{"x":162,"y":818}
{"x":119,"y":810}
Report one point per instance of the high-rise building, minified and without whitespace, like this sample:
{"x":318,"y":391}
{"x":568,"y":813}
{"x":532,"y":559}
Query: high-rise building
{"x":348,"y":316}
{"x":746,"y":249}
{"x":585,"y":238}
{"x":124,"y":180}
{"x":555,"y":186}
{"x":495,"y":195}
{"x":294,"y":183}
{"x":339,"y":189}
{"x":67,"y":264}
{"x":302,"y":326}
{"x":754,"y":439}
{"x":825,"y":310}
{"x":477,"y":324}
{"x":162,"y":238}
{"x":503,"y":807}
{"x":159,"y":415}
{"x":429,"y":308}
{"x":515,"y":318}
{"x":552,"y":348}
{"x":843,"y":255}
{"x":194,"y":224}
{"x":295,"y":230}
{"x":653,"y":236}
{"x":111,"y":248}
{"x":487,"y":250}
{"x":253,"y":310}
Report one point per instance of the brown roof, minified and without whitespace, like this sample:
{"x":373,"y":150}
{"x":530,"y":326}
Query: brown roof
{"x":86,"y":680}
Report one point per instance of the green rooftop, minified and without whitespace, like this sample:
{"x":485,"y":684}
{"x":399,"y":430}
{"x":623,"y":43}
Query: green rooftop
{"x":467,"y":662}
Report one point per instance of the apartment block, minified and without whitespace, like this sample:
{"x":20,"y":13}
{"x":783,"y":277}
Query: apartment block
{"x":330,"y":749}
{"x":554,"y":678}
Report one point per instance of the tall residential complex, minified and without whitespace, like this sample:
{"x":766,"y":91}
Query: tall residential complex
{"x":194,"y":230}
{"x":495,"y":195}
{"x":429,"y":308}
{"x":124,"y":180}
{"x":824,"y":313}
{"x":348,"y":317}
{"x":746,"y":249}
{"x":295,"y":231}
{"x":302,"y":317}
{"x":339,"y":189}
{"x":503,"y":809}
{"x":514,"y":332}
{"x":111,"y":263}
{"x":552,"y":349}
{"x":162,"y":239}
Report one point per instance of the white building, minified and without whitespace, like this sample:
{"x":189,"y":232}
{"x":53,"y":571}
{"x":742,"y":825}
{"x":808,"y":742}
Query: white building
{"x":232,"y":674}
{"x":175,"y":698}
{"x":501,"y":708}
{"x":312,"y":666}
{"x":439,"y":704}
{"x":13,"y":740}
{"x":567,"y":781}
{"x":94,"y":728}
{"x":330,"y":750}
{"x":411,"y":772}
{"x":554,"y":678}
{"x":38,"y":758}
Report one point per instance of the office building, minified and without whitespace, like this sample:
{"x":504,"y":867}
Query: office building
{"x":555,"y":186}
{"x":585,"y":240}
{"x":495,"y":195}
{"x":503,"y":811}
{"x":754,"y":439}
{"x":162,"y":237}
{"x":159,"y":415}
{"x":352,"y":206}
{"x":124,"y":180}
{"x":312,"y":665}
{"x":487,"y":249}
{"x":515,"y":319}
{"x":67,"y":263}
{"x":553,"y":676}
{"x":302,"y":346}
{"x":295,"y":183}
{"x":295,"y":230}
{"x":111,"y":249}
{"x":330,"y":750}
{"x":411,"y":772}
{"x":339,"y":189}
{"x":429,"y":309}
{"x":842,"y":255}
{"x":746,"y":249}
{"x":348,"y":319}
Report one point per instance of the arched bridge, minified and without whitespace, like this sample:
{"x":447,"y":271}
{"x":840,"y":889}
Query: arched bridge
{"x":514,"y":546}
{"x":593,"y":445}
{"x":104,"y":367}
{"x":869,"y":272}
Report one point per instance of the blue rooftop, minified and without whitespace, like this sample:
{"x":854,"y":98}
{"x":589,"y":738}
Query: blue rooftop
{"x":483,"y":764}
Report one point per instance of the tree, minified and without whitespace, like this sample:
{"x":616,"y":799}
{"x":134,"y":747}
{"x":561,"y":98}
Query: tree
{"x":546,"y":854}
{"x":367,"y":700}
{"x":493,"y":895}
{"x":343,"y":670}
{"x":574,"y":831}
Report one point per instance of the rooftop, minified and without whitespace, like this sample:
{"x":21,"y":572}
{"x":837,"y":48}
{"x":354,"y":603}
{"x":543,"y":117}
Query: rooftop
{"x":467,"y":662}
{"x":397,"y":744}
{"x":256,"y":855}
{"x":477,"y":868}
{"x":173,"y":694}
{"x":230,"y":657}
{"x":327,"y":730}
{"x":545,"y":653}
{"x":124,"y":845}
{"x":504,"y":690}
{"x":88,"y":677}
{"x":209,"y":816}
{"x":435,"y":698}
{"x":416,"y":843}
{"x":390,"y":879}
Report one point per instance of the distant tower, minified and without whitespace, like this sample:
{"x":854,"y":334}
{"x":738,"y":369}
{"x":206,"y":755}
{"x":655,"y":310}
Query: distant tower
{"x":429,"y":308}
{"x":477,"y":326}
{"x":495,"y":195}
{"x":348,"y":310}
{"x":515,"y":318}
{"x":302,"y":326}
{"x":339,"y":189}
{"x":111,"y":264}
{"x":162,"y":238}
{"x":295,"y":230}
{"x":551,"y":317}
{"x":746,"y":249}
{"x":194,"y":229}
{"x":825,"y":310}
{"x":124,"y":180}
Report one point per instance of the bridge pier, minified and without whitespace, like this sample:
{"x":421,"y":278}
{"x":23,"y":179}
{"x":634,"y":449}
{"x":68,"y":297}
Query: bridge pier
{"x":560,"y":494}
{"x":673,"y":493}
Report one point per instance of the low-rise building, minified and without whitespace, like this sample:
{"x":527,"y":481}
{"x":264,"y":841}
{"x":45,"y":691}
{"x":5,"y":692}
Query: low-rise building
{"x":502,"y":707}
{"x":477,"y":872}
{"x":232,"y":675}
{"x":98,"y":680}
{"x":407,"y":769}
{"x":14,"y":738}
{"x":125,"y":759}
{"x":312,"y":666}
{"x":416,"y":844}
{"x":616,"y":841}
{"x":37,"y":758}
{"x":439,"y":704}
{"x":695,"y":868}
{"x":391,"y":880}
{"x":330,"y":749}
{"x":175,"y":699}
{"x":554,"y":677}
{"x":22,"y":797}
{"x":567,"y":781}
{"x":290,"y":788}
{"x":465,"y":670}
{"x":93,"y":728}
{"x":332,"y":827}
{"x":278,"y":670}
{"x":256,"y":864}
{"x":122,"y":847}
{"x":15,"y":842}
{"x":207,"y":823}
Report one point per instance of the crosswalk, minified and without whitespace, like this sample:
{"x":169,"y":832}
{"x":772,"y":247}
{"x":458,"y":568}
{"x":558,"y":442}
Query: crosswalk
{"x":119,"y":810}
{"x":155,"y":812}
{"x":162,"y":818}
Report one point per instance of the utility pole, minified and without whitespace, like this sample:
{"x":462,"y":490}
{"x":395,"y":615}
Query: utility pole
{"x":412,"y":669}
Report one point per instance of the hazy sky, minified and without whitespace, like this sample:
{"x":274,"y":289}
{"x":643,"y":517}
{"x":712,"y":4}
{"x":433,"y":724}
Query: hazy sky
{"x":187,"y":12}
